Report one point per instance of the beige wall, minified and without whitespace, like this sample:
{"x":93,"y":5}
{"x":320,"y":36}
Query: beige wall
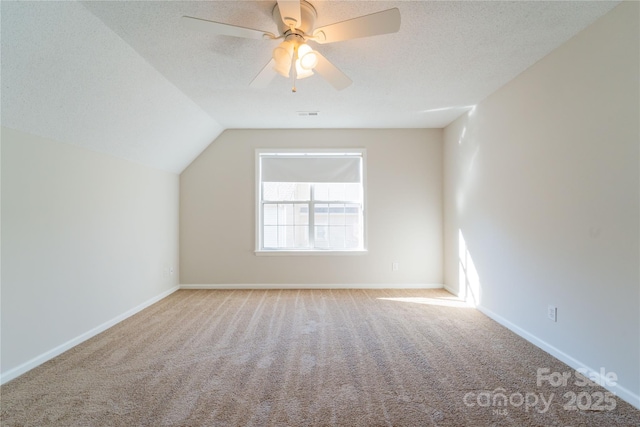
{"x":404,"y":211}
{"x":86,"y":238}
{"x":542,"y":181}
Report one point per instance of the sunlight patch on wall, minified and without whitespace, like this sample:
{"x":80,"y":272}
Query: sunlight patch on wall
{"x":469,"y":288}
{"x":462,"y":134}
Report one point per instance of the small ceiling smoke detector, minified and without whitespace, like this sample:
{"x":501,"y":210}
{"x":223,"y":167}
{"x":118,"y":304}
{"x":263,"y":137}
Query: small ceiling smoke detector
{"x":309,"y":113}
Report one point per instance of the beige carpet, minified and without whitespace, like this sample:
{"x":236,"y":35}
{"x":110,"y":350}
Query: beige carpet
{"x":305,"y":358}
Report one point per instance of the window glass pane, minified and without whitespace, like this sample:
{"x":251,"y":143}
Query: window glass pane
{"x":269,"y":191}
{"x":336,"y":237}
{"x":301,"y":236}
{"x":302,"y":191}
{"x":270,"y":214}
{"x":321,"y":237}
{"x":285,"y":214}
{"x":351,"y":213}
{"x":333,"y":191}
{"x":270,"y":236}
{"x":353,"y":192}
{"x":280,"y":214}
{"x":337,"y":192}
{"x":286,"y":238}
{"x":352,"y":237}
{"x":321,"y":191}
{"x":285,"y":191}
{"x":336,"y":214}
{"x":301,"y":214}
{"x":321,"y":213}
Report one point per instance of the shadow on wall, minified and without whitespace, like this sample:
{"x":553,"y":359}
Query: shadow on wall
{"x":469,"y":288}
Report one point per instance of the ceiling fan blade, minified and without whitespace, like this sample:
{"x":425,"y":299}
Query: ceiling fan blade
{"x":265,"y":76}
{"x":385,"y":22}
{"x":219,"y":28}
{"x":331,"y":73}
{"x":290,"y":12}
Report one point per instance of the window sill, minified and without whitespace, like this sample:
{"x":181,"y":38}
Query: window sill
{"x":310,"y":253}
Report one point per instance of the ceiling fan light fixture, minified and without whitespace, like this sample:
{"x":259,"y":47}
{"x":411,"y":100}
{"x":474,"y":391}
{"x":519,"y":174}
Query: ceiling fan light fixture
{"x":307,"y":57}
{"x":309,"y":61}
{"x":296,"y":21}
{"x":281,"y":69}
{"x":301,"y":72}
{"x":283,"y":55}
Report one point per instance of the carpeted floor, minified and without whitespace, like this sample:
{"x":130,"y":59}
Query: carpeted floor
{"x":306,"y":358}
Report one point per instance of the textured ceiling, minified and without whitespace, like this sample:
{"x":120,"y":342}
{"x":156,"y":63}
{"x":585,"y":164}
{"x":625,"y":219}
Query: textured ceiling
{"x":128,"y":78}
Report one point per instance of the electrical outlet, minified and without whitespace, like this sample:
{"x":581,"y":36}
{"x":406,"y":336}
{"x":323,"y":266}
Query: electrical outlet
{"x":395,"y":266}
{"x":552,"y":313}
{"x":167,"y":270}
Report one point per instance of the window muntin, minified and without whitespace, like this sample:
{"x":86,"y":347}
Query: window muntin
{"x":306,"y":215}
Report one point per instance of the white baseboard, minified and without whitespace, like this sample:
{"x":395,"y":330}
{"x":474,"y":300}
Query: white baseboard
{"x":38,"y":360}
{"x":622,"y":392}
{"x":315,"y":286}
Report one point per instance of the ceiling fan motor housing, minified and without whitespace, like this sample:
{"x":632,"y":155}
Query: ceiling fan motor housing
{"x":308,"y":17}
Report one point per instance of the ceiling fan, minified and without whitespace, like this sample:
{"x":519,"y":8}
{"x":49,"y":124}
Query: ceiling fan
{"x":296,"y":25}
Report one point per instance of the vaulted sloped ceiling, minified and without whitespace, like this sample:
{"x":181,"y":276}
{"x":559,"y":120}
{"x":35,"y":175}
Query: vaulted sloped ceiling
{"x":128,"y":78}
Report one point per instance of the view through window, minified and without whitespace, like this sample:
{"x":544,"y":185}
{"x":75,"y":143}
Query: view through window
{"x":310,"y":201}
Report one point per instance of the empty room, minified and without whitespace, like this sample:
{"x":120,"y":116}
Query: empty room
{"x":320,"y":213}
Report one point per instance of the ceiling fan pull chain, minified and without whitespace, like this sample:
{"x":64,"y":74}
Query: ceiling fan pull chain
{"x":293,"y":88}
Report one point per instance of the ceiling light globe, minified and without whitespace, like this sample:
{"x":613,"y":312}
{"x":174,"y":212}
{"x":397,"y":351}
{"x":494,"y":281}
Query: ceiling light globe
{"x":307,"y":57}
{"x":283,"y":52}
{"x":309,"y":61}
{"x":303,"y":49}
{"x":301,"y":72}
{"x":283,"y":55}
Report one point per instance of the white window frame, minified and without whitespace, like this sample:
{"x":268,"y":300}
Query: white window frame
{"x":258,"y":201}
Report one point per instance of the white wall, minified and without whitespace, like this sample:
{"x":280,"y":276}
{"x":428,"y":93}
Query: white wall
{"x":404,"y":211}
{"x":542,"y":180}
{"x":86,"y":238}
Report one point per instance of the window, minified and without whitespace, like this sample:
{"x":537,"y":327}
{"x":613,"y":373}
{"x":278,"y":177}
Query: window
{"x":310,"y":201}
